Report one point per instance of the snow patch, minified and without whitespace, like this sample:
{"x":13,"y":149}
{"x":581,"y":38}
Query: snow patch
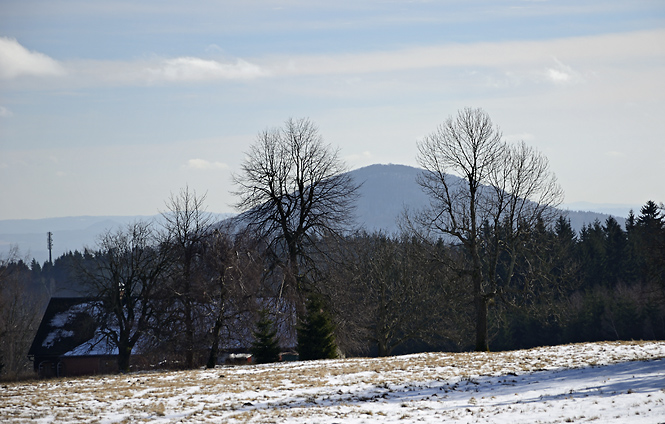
{"x":55,"y":336}
{"x":617,"y":382}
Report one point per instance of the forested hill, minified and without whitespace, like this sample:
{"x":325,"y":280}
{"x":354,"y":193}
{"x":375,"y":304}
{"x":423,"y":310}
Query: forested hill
{"x":385,"y":193}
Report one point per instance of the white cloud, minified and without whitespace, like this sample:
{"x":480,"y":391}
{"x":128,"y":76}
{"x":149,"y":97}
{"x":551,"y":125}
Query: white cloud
{"x":16,"y":60}
{"x":197,"y":69}
{"x":522,"y":57}
{"x":562,"y":74}
{"x":557,"y":75}
{"x":202,"y":164}
{"x":5,"y":113}
{"x":499,"y":64}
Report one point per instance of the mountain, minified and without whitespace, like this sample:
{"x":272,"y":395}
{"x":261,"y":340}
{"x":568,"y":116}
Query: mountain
{"x":385,"y":192}
{"x":388,"y":189}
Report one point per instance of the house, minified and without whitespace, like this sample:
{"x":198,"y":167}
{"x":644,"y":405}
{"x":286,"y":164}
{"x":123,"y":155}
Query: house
{"x":68,"y":341}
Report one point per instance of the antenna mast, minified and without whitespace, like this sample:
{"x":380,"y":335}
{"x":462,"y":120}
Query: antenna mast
{"x":49,"y":244}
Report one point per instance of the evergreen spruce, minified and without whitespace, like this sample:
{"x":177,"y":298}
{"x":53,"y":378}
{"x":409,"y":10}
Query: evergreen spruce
{"x":265,"y":347}
{"x":316,"y":338}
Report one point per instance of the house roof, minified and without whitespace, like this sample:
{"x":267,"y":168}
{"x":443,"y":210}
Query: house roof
{"x":67,"y":327}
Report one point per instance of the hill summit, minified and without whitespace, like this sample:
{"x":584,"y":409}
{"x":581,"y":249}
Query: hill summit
{"x":388,"y":190}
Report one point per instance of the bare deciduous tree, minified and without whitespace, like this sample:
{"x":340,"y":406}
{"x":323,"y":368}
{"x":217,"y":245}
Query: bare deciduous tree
{"x":187,"y":226}
{"x":234,"y":271}
{"x":293,"y":188}
{"x":506,"y":189}
{"x":395,"y":292}
{"x":20,"y":309}
{"x":128,"y":267}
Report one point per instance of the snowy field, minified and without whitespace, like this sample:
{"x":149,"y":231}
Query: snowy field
{"x":591,"y":382}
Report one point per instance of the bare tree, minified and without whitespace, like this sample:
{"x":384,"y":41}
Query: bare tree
{"x":391,"y":291}
{"x":234,"y":269}
{"x":187,"y":226}
{"x":20,"y":312}
{"x":128,"y":267}
{"x":293,"y":188}
{"x":506,"y":189}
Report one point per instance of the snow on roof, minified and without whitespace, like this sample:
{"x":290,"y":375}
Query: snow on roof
{"x":66,"y":319}
{"x":98,"y":345}
{"x":67,"y":323}
{"x":63,"y":318}
{"x":56,"y":335}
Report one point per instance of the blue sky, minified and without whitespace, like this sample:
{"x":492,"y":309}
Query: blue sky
{"x":108,"y":107}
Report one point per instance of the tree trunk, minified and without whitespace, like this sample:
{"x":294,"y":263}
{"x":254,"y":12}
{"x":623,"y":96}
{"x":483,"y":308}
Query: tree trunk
{"x":124,"y":352}
{"x":214,"y":349}
{"x":382,"y":330}
{"x":189,"y":336}
{"x":480,"y":301}
{"x":383,"y":349}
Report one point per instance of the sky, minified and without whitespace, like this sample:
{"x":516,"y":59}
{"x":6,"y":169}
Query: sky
{"x":107,"y":108}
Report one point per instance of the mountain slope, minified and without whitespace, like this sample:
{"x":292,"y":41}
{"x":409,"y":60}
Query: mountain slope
{"x":388,"y":189}
{"x":385,"y":192}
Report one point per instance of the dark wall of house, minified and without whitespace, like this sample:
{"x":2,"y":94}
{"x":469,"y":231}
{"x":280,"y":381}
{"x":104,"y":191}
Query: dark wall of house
{"x":72,"y":366}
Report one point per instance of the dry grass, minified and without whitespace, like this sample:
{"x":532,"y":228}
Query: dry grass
{"x":269,"y":393}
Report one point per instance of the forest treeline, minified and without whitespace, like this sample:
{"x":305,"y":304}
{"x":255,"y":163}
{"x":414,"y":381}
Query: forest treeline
{"x":492,"y":264}
{"x":386,"y":294}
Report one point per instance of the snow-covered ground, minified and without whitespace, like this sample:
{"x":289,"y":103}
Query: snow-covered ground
{"x":592,"y":382}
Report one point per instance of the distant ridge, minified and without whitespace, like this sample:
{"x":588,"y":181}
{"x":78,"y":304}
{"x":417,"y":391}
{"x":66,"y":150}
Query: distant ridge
{"x":386,"y":191}
{"x":69,"y":233}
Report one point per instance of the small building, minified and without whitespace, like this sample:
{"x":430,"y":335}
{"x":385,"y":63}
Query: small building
{"x":68,"y":341}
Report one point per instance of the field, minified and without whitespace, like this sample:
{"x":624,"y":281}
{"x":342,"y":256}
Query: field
{"x":618,"y":382}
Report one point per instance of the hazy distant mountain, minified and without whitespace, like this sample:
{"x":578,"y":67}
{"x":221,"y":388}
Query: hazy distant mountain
{"x":69,"y":233}
{"x":385,"y":193}
{"x":613,"y":209}
{"x":387,"y":189}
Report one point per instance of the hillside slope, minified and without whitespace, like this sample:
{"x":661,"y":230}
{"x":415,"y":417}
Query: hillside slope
{"x":387,"y":189}
{"x":593,"y":382}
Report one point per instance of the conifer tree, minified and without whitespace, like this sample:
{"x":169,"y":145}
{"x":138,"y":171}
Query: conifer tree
{"x":616,"y":254}
{"x":265,"y":347}
{"x":651,"y":235}
{"x":592,"y":254}
{"x":316,"y":338}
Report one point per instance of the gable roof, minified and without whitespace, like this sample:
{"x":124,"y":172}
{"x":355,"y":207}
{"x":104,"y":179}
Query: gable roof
{"x":67,"y":325}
